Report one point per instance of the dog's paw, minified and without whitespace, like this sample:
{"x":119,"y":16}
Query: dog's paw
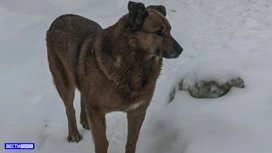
{"x":74,"y":137}
{"x":85,"y":124}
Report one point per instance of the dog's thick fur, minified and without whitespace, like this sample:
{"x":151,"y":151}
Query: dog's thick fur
{"x":115,"y":69}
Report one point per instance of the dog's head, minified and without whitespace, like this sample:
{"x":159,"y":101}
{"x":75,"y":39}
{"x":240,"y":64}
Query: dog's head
{"x":152,"y":31}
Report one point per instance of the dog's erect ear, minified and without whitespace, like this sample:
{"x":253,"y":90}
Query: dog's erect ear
{"x":159,"y":8}
{"x":138,"y":13}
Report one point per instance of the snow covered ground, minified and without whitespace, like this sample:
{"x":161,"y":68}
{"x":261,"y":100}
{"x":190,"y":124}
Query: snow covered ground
{"x":237,"y":30}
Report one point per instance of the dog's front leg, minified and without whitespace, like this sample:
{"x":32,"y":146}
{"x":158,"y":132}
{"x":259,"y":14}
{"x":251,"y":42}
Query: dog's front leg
{"x":135,"y":120}
{"x":97,"y":124}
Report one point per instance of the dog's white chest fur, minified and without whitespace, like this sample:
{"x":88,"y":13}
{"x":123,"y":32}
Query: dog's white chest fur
{"x":135,"y":105}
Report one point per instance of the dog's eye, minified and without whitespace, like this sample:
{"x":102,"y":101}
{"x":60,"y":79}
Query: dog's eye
{"x":159,"y":32}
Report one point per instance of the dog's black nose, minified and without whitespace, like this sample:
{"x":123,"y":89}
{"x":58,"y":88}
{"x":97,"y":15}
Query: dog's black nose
{"x":178,"y":49}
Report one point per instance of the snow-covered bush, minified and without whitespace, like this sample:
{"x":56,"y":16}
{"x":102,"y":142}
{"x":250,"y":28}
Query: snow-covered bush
{"x":207,"y":77}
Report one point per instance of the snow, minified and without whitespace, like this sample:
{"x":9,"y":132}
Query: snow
{"x":212,"y":66}
{"x":237,"y":33}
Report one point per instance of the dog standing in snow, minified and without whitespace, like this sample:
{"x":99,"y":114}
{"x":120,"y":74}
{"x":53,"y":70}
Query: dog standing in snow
{"x":115,"y":69}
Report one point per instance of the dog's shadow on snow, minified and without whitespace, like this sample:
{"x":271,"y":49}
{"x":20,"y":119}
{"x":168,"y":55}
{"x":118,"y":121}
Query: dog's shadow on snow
{"x":161,"y":137}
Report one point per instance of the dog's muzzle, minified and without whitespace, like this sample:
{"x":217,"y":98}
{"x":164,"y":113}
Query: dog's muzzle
{"x":176,"y":51}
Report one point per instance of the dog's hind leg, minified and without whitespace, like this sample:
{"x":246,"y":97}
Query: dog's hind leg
{"x":66,"y":90}
{"x":83,"y":116}
{"x":68,"y":98}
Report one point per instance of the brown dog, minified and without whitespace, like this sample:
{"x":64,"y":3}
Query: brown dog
{"x":115,"y":69}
